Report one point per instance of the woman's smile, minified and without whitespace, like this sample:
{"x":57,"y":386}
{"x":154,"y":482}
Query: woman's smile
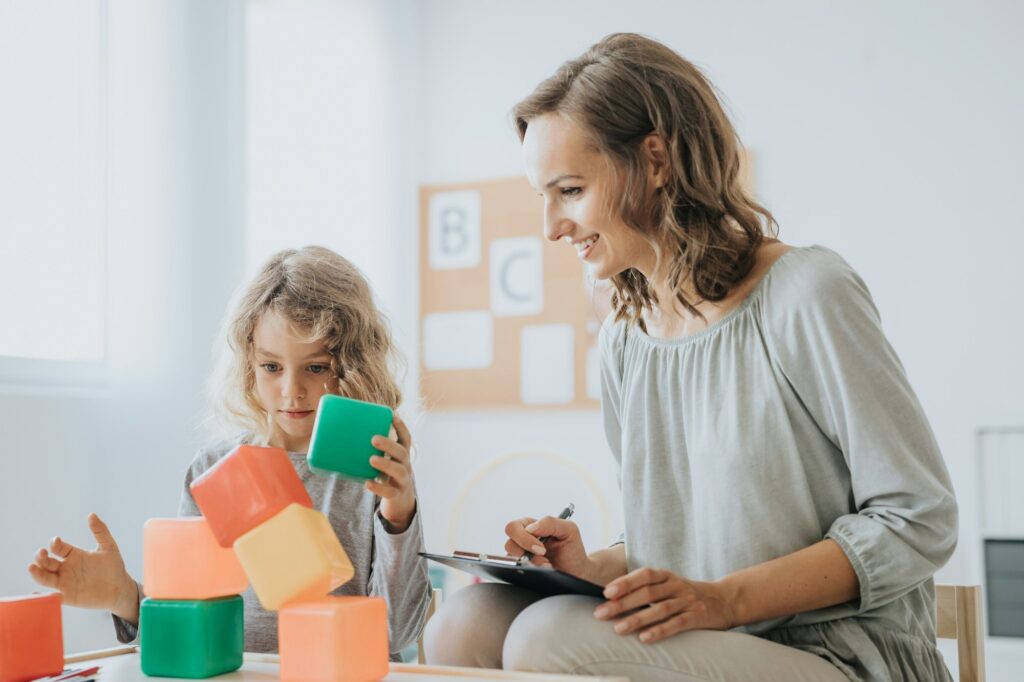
{"x":584,"y":247}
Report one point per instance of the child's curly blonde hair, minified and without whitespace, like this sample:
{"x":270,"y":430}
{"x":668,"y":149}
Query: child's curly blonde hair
{"x":325,"y":298}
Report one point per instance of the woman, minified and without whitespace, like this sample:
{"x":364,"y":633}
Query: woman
{"x":785,"y":502}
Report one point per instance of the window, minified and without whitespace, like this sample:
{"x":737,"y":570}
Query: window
{"x":52,"y":188}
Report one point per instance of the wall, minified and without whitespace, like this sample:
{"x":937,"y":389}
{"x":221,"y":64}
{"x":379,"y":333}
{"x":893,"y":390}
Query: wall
{"x":886,"y":131}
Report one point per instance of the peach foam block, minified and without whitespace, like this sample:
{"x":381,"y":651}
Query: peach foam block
{"x":334,"y":639}
{"x":182,"y":560}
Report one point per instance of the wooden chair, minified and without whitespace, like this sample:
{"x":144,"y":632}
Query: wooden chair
{"x":435,"y":604}
{"x":959,"y":618}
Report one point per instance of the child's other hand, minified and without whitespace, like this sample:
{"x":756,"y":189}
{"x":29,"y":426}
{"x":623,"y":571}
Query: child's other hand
{"x":95,"y":580}
{"x":394,"y":485}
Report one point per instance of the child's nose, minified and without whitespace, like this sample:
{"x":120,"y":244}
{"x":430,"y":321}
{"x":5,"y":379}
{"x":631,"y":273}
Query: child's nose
{"x":291,"y":387}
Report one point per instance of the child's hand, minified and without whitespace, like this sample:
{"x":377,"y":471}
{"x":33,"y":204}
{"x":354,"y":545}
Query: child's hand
{"x":94,"y":580}
{"x":394,"y":485}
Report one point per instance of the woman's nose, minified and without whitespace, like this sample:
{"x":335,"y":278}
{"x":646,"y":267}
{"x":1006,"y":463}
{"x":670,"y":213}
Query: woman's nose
{"x":556,"y":225}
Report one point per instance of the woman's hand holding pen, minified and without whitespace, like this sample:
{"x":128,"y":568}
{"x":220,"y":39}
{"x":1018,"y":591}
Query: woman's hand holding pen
{"x":395,"y":485}
{"x":562,"y":547}
{"x":658,"y":604}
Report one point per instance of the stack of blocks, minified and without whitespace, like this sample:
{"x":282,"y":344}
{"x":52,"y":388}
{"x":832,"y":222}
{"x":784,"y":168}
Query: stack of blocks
{"x":31,"y":639}
{"x":256,"y":504}
{"x":191,"y":623}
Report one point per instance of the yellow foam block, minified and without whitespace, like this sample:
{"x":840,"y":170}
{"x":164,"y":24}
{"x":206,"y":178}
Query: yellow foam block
{"x":294,"y":555}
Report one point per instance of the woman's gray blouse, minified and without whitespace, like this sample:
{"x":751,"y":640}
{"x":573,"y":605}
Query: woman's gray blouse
{"x":788,"y":421}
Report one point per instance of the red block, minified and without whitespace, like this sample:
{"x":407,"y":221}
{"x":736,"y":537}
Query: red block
{"x":31,"y":639}
{"x":246,"y":488}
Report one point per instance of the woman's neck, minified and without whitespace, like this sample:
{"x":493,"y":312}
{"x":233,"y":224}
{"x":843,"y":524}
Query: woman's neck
{"x":668,"y":319}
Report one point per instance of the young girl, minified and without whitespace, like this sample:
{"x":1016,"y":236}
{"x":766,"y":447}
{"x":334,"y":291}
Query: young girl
{"x":785,"y":501}
{"x":305,"y":327}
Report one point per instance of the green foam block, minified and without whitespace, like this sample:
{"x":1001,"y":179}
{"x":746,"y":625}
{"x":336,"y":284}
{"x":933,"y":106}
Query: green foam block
{"x":342,"y":431}
{"x":191,"y":638}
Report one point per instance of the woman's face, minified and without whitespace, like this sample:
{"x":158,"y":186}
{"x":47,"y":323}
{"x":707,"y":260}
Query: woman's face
{"x":578,"y":188}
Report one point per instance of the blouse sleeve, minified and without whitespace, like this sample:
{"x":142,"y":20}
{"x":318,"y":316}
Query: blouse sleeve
{"x":610,"y":343}
{"x":826,"y":335}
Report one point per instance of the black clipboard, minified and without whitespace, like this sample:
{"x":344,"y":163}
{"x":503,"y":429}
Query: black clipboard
{"x":543,"y":579}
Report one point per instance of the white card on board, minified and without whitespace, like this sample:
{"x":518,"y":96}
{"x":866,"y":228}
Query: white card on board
{"x":517,"y":276}
{"x":547,"y":364}
{"x":463,"y":340}
{"x":454,"y":233}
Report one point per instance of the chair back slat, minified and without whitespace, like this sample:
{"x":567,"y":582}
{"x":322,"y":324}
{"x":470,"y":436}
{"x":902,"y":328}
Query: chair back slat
{"x":958,"y":610}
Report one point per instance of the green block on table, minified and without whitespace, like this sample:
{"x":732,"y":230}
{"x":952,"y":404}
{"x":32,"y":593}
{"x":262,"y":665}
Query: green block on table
{"x":342,"y":432}
{"x":194,"y":639}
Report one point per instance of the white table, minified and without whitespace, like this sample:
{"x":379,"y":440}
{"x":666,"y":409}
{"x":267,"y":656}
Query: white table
{"x":122,"y":665}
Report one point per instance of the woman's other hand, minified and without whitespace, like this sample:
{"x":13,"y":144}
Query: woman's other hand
{"x":658,"y":604}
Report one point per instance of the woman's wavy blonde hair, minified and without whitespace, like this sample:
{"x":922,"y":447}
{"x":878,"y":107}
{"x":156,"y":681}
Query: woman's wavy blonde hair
{"x":622,"y":90}
{"x":325,"y":298}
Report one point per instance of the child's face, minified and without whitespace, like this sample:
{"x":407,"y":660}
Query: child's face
{"x":291,"y":375}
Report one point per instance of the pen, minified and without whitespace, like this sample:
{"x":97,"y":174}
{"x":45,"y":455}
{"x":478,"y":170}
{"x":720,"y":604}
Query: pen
{"x":566,"y":513}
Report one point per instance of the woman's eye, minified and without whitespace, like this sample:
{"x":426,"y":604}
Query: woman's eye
{"x":318,"y":369}
{"x":571,"y":191}
{"x":269,"y":366}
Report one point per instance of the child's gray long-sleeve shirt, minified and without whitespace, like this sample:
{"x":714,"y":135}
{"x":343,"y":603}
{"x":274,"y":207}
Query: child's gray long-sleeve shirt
{"x":386,"y":564}
{"x":789,"y":421}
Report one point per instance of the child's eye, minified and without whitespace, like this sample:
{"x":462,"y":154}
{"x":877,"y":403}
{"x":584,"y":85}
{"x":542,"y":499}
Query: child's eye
{"x":269,"y":366}
{"x":319,"y":369}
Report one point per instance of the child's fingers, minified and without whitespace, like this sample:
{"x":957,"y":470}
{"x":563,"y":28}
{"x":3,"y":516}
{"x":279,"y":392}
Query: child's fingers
{"x":394,"y":469}
{"x":100,"y":531}
{"x":383,"y":490}
{"x":46,"y":562}
{"x":404,"y":437}
{"x":395,"y":450}
{"x":44,"y":578}
{"x":60,"y":548}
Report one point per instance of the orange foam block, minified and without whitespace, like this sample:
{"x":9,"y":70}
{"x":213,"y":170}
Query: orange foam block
{"x":246,"y":488}
{"x":31,"y":638}
{"x":334,"y":639}
{"x":294,"y":555}
{"x":182,"y":560}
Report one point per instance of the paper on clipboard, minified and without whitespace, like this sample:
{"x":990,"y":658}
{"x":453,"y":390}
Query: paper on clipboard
{"x":543,"y":579}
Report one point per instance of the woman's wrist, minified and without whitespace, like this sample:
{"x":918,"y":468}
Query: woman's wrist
{"x":731,"y":595}
{"x":605,"y":565}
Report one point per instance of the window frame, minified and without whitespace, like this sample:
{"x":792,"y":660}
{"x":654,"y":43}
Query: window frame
{"x":25,"y":374}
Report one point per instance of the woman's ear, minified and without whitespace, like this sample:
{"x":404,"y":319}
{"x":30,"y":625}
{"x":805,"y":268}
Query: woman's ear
{"x":656,"y":152}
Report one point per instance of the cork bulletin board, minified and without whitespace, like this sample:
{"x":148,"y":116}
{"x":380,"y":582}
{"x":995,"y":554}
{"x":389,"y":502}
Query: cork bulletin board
{"x":509,"y":320}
